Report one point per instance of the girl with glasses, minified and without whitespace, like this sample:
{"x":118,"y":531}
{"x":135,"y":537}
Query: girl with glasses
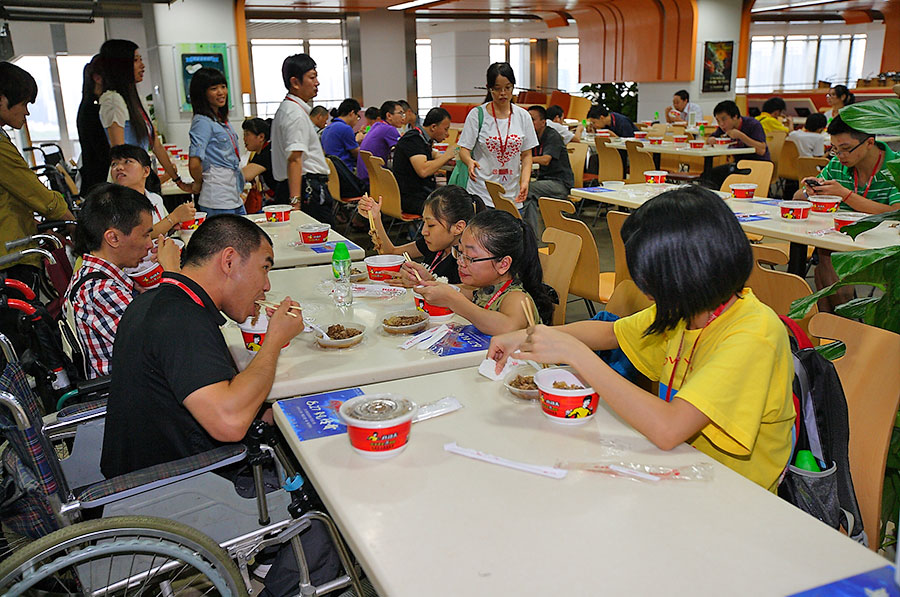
{"x":446,"y":214}
{"x":500,"y":271}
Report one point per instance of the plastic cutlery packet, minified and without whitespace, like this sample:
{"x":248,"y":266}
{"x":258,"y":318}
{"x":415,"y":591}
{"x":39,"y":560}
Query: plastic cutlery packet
{"x":645,"y":473}
{"x":378,"y":291}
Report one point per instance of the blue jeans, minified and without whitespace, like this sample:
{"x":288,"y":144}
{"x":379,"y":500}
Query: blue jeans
{"x":210,"y":212}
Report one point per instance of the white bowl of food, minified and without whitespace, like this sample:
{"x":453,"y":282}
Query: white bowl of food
{"x":342,"y":334}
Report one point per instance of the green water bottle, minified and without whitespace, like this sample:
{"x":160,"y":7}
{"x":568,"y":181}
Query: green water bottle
{"x":702,"y":131}
{"x":806,"y":461}
{"x":368,"y":127}
{"x":656,"y":116}
{"x":342,"y":294}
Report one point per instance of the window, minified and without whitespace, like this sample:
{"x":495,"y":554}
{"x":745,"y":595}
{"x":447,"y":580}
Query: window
{"x":423,"y":75}
{"x":498,"y":50}
{"x":520,"y":61}
{"x":779,"y":62}
{"x":43,"y":122}
{"x":567,"y":65}
{"x":267,"y":55}
{"x":71,"y":79}
{"x":331,"y":66}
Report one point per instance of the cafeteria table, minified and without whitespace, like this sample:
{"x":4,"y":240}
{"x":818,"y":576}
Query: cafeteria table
{"x":304,"y":367}
{"x":428,"y":522}
{"x":669,"y":148}
{"x":817,"y":230}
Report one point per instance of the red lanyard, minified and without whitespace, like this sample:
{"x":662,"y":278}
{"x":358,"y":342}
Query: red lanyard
{"x":184,"y":287}
{"x":232,"y":136}
{"x":434,"y":262}
{"x":690,"y":358}
{"x":498,"y":293}
{"x":156,"y":211}
{"x":503,"y":140}
{"x":291,"y":97}
{"x":874,"y":171}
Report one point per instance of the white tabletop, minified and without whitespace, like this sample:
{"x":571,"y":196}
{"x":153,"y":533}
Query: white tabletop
{"x":305,"y":368}
{"x":428,"y":522}
{"x":286,"y":242}
{"x":797,"y":231}
{"x":670,"y":148}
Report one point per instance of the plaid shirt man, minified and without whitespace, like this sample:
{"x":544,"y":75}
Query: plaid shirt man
{"x":98,"y":306}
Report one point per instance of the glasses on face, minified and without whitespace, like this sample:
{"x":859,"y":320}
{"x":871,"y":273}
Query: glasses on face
{"x":504,"y":89}
{"x":839,"y":152}
{"x":465,"y":261}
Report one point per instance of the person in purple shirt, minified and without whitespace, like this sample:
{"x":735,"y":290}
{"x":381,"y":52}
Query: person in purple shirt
{"x":745,"y":132}
{"x":338,"y":138}
{"x":383,"y":136}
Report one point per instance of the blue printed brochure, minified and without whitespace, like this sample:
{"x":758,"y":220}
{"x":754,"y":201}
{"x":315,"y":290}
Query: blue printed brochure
{"x":874,"y":583}
{"x":317,"y":415}
{"x":328,"y":247}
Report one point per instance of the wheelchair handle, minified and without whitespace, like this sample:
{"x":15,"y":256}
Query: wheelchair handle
{"x":39,"y":238}
{"x":19,"y":255}
{"x":19,"y":286}
{"x":14,"y":407}
{"x":18,"y":305}
{"x":50,"y":225}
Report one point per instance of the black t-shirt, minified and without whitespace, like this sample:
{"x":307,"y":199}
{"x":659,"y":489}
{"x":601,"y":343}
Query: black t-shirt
{"x":167,"y":346}
{"x":559,"y":168}
{"x":94,"y":145}
{"x":445,"y":265}
{"x":264,"y":158}
{"x":414,"y":190}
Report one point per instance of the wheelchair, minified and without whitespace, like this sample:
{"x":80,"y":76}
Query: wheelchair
{"x":165,"y":529}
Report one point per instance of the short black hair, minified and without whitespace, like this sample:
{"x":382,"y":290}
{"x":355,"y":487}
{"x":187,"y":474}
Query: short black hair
{"x":372,"y":113}
{"x":541,"y":111}
{"x":202,"y":80}
{"x":17,"y":84}
{"x":686,"y":249}
{"x":108,"y":206}
{"x":773,"y":104}
{"x":683,"y":94}
{"x":435,"y":116}
{"x":296,"y":66}
{"x":498,"y":69}
{"x":727,"y":107}
{"x":318,"y":110}
{"x":258,"y":126}
{"x":815,"y":122}
{"x":348,"y":106}
{"x":126,"y":151}
{"x":554,"y":112}
{"x":387,"y":107}
{"x":405,"y":105}
{"x":837,"y":127}
{"x":219,"y":232}
{"x":843,"y":94}
{"x":597,"y":112}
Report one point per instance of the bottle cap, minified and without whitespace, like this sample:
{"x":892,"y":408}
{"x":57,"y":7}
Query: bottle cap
{"x":806,"y":461}
{"x":340,"y":252}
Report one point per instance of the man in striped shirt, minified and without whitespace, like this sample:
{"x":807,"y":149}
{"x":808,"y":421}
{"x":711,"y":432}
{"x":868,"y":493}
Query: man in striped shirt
{"x":858,"y":175}
{"x":113,"y":234}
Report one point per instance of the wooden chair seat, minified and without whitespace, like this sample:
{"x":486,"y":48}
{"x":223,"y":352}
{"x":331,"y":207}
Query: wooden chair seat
{"x":495,"y":190}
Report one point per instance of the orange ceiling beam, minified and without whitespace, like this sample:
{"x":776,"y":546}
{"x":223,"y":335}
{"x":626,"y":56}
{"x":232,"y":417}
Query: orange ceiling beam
{"x":890,"y":56}
{"x":243,"y":48}
{"x":743,"y":59}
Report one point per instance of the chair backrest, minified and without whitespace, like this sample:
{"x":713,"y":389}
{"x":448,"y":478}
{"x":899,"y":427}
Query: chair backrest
{"x":627,"y":300}
{"x":452,"y":137}
{"x":788,"y":166}
{"x":775,"y":141}
{"x":609,"y":162}
{"x":775,"y":288}
{"x":387,"y":190}
{"x":615,"y":220}
{"x":871,"y":380}
{"x":808,"y":167}
{"x":586,"y":279}
{"x":760,"y":173}
{"x":334,"y":183}
{"x":657,"y":130}
{"x":559,"y":265}
{"x":561,"y":99}
{"x":495,"y":190}
{"x":577,"y":159}
{"x":578,"y":107}
{"x":638,"y":162}
{"x":371,"y":163}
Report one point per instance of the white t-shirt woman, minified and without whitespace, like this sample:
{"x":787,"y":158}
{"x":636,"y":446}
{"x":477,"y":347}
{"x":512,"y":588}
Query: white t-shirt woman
{"x":498,"y":148}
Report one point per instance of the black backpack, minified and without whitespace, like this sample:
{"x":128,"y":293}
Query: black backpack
{"x":822,"y":428}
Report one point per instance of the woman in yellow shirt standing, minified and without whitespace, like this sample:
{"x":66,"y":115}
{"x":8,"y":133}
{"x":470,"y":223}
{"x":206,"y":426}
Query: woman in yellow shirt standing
{"x":721,"y":357}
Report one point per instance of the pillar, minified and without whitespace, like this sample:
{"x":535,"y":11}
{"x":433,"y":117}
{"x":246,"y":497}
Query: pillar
{"x":459,"y":61}
{"x":387,"y":41}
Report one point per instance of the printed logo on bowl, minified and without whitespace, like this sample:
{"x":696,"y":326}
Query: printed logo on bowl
{"x":253,"y":340}
{"x":379,"y":440}
{"x":432,"y":310}
{"x":569,"y":407}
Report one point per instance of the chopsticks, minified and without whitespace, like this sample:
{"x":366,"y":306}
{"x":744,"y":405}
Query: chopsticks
{"x":272,"y":305}
{"x":409,"y":259}
{"x":526,"y":308}
{"x":371,"y":217}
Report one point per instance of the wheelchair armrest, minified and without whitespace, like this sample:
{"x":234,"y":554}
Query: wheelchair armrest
{"x":160,"y":475}
{"x":72,"y":414}
{"x":87,"y":391}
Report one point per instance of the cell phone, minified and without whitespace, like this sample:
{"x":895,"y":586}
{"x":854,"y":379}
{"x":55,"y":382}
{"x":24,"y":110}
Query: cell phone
{"x":813,"y":183}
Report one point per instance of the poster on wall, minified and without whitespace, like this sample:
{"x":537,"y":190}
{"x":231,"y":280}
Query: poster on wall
{"x":193,"y":57}
{"x":717,"y":66}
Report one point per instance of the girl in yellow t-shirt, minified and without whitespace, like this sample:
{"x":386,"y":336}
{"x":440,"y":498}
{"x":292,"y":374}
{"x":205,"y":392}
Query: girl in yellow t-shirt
{"x":721,"y":357}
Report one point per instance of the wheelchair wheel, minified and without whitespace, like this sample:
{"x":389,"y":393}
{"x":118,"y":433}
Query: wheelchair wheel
{"x":119,"y":555}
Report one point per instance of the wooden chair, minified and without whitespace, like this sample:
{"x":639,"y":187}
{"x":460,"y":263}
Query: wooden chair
{"x":609,"y":162}
{"x":578,"y":107}
{"x":372,"y":164}
{"x":775,"y":288}
{"x":808,"y":167}
{"x":452,"y":137}
{"x":760,"y":173}
{"x":871,"y":380}
{"x":588,"y":282}
{"x":577,"y":159}
{"x":559,"y":265}
{"x":775,"y":141}
{"x":390,"y":195}
{"x":615,"y":220}
{"x":627,"y":299}
{"x":496,"y":190}
{"x":638,"y":162}
{"x":788,"y":162}
{"x":334,"y":187}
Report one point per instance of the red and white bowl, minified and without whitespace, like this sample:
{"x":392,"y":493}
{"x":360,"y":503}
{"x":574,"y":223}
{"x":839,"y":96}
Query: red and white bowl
{"x":313,"y":234}
{"x":795,"y":210}
{"x":566,"y":407}
{"x":825,"y":203}
{"x":199,"y":218}
{"x":655,"y":140}
{"x":724,"y":141}
{"x":147,"y":274}
{"x":845,"y":218}
{"x":655,"y":176}
{"x":697,"y":143}
{"x":277,"y":213}
{"x":437,"y":314}
{"x":640,"y":134}
{"x":383,"y":267}
{"x":378,"y":425}
{"x":743,"y":190}
{"x":679,"y":139}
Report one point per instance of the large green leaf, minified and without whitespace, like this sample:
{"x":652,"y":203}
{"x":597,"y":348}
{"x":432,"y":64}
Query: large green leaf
{"x":893,"y":171}
{"x":847,"y":263}
{"x":857,"y":308}
{"x":869,"y":222}
{"x":832,"y":350}
{"x":877,"y":117}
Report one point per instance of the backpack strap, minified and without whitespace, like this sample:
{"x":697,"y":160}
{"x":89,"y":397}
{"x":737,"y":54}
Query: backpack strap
{"x":85,"y":278}
{"x":803,"y":340}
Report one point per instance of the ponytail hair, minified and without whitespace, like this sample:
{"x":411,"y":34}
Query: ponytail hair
{"x":503,"y":234}
{"x":844,"y":94}
{"x":450,"y":204}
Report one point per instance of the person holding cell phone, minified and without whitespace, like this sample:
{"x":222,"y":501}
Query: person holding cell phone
{"x":858,"y":176}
